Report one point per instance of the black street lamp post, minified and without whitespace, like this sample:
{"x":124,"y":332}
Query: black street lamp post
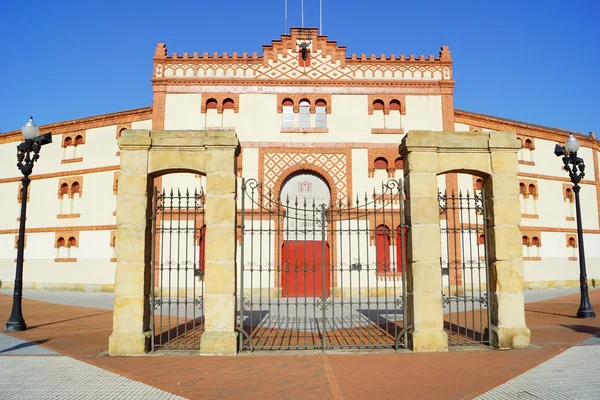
{"x":576,"y":169}
{"x":32,"y":144}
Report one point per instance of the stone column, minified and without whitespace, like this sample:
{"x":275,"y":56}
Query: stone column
{"x":508,"y":329}
{"x":424,"y":310}
{"x":220,"y":336}
{"x":131,"y":330}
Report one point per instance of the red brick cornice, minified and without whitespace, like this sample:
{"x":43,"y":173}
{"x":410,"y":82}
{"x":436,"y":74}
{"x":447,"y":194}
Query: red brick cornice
{"x":80,"y":124}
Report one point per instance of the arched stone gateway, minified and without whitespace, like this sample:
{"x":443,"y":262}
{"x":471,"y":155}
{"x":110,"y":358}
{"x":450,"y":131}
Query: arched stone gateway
{"x":144,"y":156}
{"x":493,"y":157}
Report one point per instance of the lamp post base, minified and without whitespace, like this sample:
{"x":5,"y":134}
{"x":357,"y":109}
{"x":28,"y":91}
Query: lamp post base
{"x":15,"y":326}
{"x":586,"y":313}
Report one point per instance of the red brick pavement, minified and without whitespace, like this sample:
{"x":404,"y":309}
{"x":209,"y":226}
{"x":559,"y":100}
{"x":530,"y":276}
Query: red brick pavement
{"x":82,"y":333}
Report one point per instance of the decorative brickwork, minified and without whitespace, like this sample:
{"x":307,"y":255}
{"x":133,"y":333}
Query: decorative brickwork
{"x":67,"y":238}
{"x":73,"y":138}
{"x":390,"y":154}
{"x":528,"y":188}
{"x":74,"y":184}
{"x":277,"y":164}
{"x":122,"y":127}
{"x":223,"y":101}
{"x":531,"y":237}
{"x":390,"y":102}
{"x":296,"y":98}
{"x":280,"y":62}
{"x":20,"y":193}
{"x":17,"y":242}
{"x":115,"y":183}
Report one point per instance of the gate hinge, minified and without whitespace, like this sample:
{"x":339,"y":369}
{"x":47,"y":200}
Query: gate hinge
{"x":240,"y":226}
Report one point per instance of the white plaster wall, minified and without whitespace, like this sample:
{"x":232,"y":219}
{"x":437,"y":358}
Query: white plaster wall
{"x":146,"y":124}
{"x":461,"y":127}
{"x":92,"y":267}
{"x":360,"y":174}
{"x":182,"y":111}
{"x":423,"y":113}
{"x":349,"y":119}
{"x":11,"y":207}
{"x":555,"y":264}
{"x":550,"y":206}
{"x":258,"y":119}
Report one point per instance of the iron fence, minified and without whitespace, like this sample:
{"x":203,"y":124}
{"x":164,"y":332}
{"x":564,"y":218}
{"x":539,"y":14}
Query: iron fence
{"x":322,"y":276}
{"x":177,"y":260}
{"x":465,"y":267}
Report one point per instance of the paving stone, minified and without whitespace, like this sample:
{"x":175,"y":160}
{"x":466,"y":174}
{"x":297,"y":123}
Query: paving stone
{"x":41,"y":377}
{"x":10,"y":346}
{"x":572,"y":375}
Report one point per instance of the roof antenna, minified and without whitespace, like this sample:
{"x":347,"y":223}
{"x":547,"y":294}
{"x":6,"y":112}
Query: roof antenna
{"x":320,"y":17}
{"x":302,"y":1}
{"x":285,"y":17}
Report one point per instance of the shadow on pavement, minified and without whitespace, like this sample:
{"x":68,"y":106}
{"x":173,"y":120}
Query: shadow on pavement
{"x":24,"y":345}
{"x":67,"y":320}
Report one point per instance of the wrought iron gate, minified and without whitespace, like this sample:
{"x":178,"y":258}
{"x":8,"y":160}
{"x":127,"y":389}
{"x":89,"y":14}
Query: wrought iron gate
{"x":313,"y":276}
{"x":465,"y":267}
{"x":177,"y":261}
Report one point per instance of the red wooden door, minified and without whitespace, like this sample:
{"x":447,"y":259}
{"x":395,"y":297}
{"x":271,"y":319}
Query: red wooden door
{"x":302,"y":269}
{"x":400,"y":255}
{"x":382,"y":247}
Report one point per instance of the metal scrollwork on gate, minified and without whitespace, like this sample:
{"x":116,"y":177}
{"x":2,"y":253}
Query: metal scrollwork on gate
{"x":321,"y":273}
{"x":177,"y":269}
{"x":464,"y":266}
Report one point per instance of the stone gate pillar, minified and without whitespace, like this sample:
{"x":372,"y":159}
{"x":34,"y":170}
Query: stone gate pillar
{"x":507,"y":303}
{"x":424,"y":310}
{"x":144,"y":155}
{"x":492,"y":156}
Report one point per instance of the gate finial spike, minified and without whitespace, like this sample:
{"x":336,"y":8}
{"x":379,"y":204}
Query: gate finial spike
{"x":171,"y":192}
{"x":178,"y":192}
{"x":187,"y":192}
{"x":195,"y":192}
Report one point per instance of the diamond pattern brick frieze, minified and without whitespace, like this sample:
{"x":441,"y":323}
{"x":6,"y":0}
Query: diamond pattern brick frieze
{"x":278,"y":164}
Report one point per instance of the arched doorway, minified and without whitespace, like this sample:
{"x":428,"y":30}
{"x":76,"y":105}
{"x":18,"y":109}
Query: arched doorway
{"x":305,"y":252}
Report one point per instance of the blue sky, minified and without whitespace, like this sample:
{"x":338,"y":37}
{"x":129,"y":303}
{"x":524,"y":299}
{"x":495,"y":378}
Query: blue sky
{"x":531,"y":60}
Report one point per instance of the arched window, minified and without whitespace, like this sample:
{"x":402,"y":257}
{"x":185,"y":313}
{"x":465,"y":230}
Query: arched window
{"x":525,"y":241}
{"x":382,"y":246}
{"x":399,"y":163}
{"x":535,"y":241}
{"x":78,"y":140}
{"x":321,"y":114}
{"x":228,"y":104}
{"x":479,"y":184}
{"x":532,"y":190}
{"x":380,"y":163}
{"x":522,"y":189}
{"x":528,"y":144}
{"x":569,"y":195}
{"x":64,"y":188}
{"x":287,"y":120}
{"x":72,"y":242}
{"x":75,"y":187}
{"x":211,"y":104}
{"x":572,"y":242}
{"x":68,"y":141}
{"x":60,"y":242}
{"x":121,"y":132}
{"x":481,"y":239}
{"x":395,"y":105}
{"x":304,"y":116}
{"x":378,"y":105}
